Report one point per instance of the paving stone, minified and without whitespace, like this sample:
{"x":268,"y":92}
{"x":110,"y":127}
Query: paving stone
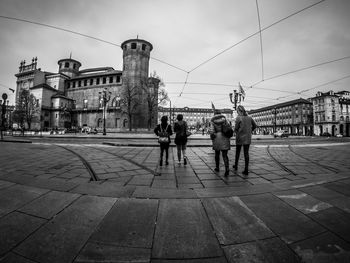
{"x":49,"y":204}
{"x":190,"y":186}
{"x":213,"y":183}
{"x":159,"y":193}
{"x":16,"y":196}
{"x":14,"y":258}
{"x":327,"y":195}
{"x":335,"y":220}
{"x":164,"y":184}
{"x":200,"y":260}
{"x":110,"y":190}
{"x":15,"y":227}
{"x":62,"y":238}
{"x":187,"y":180}
{"x":325,"y":247}
{"x":234,"y":222}
{"x":130,"y":223}
{"x":183,"y":231}
{"x":290,"y":224}
{"x":339,"y":187}
{"x":302,"y":201}
{"x":269,"y":250}
{"x":5,"y":184}
{"x":207,"y":176}
{"x":93,"y":252}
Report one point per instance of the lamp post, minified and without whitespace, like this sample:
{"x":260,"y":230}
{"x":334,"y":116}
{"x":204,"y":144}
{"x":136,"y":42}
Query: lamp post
{"x":105,"y":96}
{"x":3,"y":112}
{"x":234,"y":98}
{"x":275,"y":113}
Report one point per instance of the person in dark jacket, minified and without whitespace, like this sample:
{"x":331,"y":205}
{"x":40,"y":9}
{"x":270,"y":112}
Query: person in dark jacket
{"x":244,"y":127}
{"x":164,"y":130}
{"x":181,"y":131}
{"x":221,"y":143}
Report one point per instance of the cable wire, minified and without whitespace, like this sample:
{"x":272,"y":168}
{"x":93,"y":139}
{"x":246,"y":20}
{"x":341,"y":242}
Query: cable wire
{"x":261,"y":43}
{"x":254,"y":34}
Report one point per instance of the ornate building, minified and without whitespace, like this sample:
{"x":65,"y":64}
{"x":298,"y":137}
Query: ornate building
{"x":76,"y":97}
{"x":294,"y":116}
{"x":331,"y":113}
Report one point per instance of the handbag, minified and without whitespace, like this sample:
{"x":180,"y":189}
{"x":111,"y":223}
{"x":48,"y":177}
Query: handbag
{"x":227,"y":130}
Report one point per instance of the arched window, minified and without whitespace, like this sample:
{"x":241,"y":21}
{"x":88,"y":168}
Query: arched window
{"x":66,"y":65}
{"x":116,"y":102}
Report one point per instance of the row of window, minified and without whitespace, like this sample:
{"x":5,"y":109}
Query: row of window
{"x":94,"y":81}
{"x":115,"y":103}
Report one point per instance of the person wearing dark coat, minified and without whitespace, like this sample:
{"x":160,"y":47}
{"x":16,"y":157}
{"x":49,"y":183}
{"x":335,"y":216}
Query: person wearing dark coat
{"x":244,"y":127}
{"x":181,"y":131}
{"x":164,"y":147}
{"x":221,"y":143}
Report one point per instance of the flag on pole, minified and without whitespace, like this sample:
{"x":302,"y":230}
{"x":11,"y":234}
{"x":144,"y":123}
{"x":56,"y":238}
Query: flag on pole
{"x":241,"y":90}
{"x":213,"y":107}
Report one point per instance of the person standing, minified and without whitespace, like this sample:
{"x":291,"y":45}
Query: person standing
{"x":164,"y":131}
{"x":221,"y":143}
{"x":244,"y":127}
{"x":181,"y":131}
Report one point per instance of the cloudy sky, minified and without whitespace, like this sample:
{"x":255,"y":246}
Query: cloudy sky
{"x":212,"y":45}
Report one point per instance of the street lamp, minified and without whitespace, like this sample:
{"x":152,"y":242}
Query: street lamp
{"x":3,"y":112}
{"x":105,"y":96}
{"x":234,"y":98}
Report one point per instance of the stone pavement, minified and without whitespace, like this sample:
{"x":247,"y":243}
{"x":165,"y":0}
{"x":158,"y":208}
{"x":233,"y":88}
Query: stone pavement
{"x":101,"y":203}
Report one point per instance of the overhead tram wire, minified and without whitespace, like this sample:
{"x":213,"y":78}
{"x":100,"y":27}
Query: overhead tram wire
{"x":301,"y":69}
{"x":261,"y":44}
{"x":84,"y":35}
{"x":254,"y":34}
{"x":225,"y":85}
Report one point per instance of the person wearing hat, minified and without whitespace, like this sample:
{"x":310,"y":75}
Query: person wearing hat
{"x":244,"y":127}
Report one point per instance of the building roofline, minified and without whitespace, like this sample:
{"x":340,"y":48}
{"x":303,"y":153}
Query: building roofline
{"x":43,"y":86}
{"x":136,"y":40}
{"x":287,"y":103}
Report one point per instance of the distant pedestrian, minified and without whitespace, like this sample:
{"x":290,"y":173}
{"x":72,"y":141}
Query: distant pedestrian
{"x":181,"y":131}
{"x":221,"y":143}
{"x":244,"y":127}
{"x":164,"y":131}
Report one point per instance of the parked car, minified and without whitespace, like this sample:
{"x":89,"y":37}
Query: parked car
{"x":281,"y":134}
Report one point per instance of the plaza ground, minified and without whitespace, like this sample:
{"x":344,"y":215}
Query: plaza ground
{"x":106,"y":199}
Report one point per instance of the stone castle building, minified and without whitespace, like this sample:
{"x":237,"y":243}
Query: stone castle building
{"x":75,"y":97}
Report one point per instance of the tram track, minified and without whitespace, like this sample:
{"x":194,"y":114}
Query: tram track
{"x":93,"y":176}
{"x":332,"y":169}
{"x":278,"y":162}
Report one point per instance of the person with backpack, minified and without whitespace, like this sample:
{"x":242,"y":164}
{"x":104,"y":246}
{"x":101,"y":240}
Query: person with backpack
{"x":181,"y":131}
{"x":163,"y":131}
{"x":244,"y":127}
{"x":221,"y":141}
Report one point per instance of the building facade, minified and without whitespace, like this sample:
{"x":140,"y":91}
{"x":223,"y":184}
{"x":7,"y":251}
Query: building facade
{"x":75,"y":97}
{"x":195,"y":117}
{"x":331,"y":113}
{"x":293,"y":116}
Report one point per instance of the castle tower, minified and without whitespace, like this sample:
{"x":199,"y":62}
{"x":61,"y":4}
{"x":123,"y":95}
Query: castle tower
{"x":69,"y":67}
{"x":136,"y":55}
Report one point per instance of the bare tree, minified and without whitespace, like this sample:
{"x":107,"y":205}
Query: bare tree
{"x":130,"y":99}
{"x":156,"y":95}
{"x":27,"y":109}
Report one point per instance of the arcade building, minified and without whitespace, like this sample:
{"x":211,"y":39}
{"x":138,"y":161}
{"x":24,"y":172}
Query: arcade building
{"x":75,"y":97}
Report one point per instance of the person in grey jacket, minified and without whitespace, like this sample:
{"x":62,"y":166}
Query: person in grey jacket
{"x":244,"y":127}
{"x":221,"y":143}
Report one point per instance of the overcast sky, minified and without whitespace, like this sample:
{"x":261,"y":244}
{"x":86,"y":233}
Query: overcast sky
{"x":187,"y":34}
